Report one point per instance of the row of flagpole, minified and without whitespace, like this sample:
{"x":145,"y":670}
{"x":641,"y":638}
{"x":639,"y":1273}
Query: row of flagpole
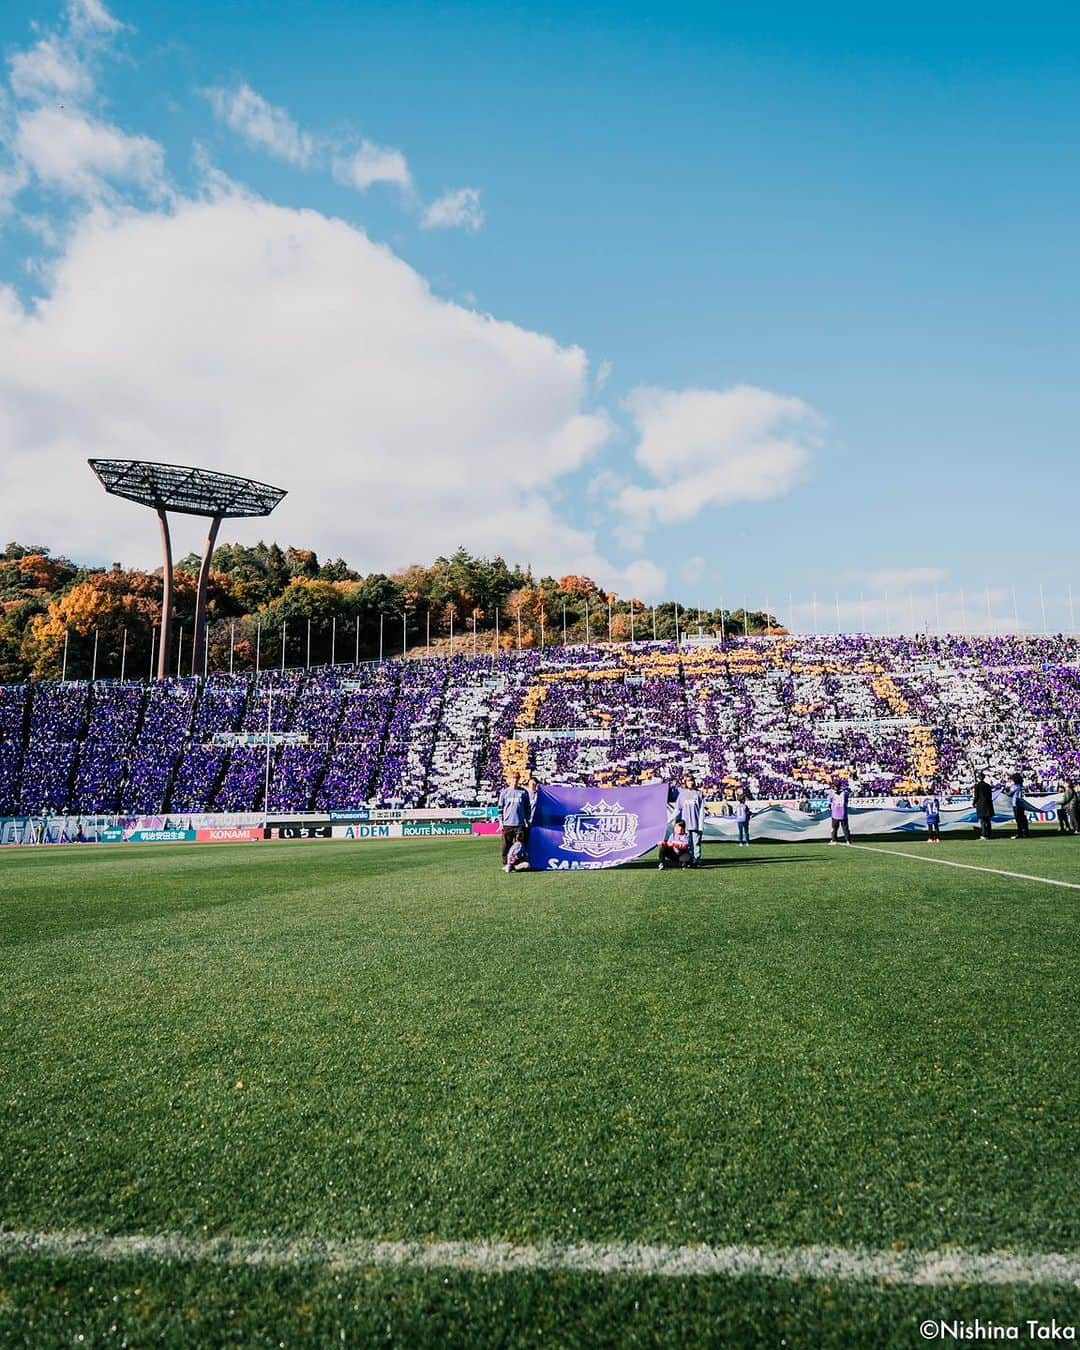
{"x":683,"y":620}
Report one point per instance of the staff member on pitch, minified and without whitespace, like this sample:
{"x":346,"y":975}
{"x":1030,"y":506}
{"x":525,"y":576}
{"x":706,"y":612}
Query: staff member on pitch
{"x":838,"y":811}
{"x":514,"y":812}
{"x":983,"y":800}
{"x":690,"y":809}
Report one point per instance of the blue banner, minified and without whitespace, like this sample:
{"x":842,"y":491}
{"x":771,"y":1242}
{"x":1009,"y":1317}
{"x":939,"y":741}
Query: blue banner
{"x":581,"y":829}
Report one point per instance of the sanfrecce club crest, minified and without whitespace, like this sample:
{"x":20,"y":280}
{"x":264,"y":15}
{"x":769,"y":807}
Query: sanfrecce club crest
{"x":599,"y":830}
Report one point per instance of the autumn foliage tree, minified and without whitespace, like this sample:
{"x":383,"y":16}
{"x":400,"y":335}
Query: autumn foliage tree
{"x":261,"y":595}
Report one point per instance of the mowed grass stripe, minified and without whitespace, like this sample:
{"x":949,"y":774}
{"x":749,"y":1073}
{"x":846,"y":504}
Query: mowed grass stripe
{"x":929,"y":1269}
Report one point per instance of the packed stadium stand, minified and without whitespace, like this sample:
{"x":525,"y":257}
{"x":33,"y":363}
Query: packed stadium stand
{"x":778,"y":716}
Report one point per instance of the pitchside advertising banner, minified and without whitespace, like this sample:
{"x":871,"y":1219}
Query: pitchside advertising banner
{"x":584,"y":829}
{"x":782,"y":821}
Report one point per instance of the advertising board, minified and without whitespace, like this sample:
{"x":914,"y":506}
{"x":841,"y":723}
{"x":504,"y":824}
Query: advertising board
{"x":163,"y":836}
{"x":228,"y":834}
{"x":371,"y":830}
{"x":430,"y":828}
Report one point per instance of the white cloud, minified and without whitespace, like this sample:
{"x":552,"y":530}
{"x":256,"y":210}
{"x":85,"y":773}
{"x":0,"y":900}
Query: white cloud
{"x":641,"y":580}
{"x":51,"y":136}
{"x":87,"y":18}
{"x":709,"y":447}
{"x":50,"y":70}
{"x":693,"y":570}
{"x":284,"y":345}
{"x":955,"y":611}
{"x":457,"y":209}
{"x":372,"y":164}
{"x":261,"y":124}
{"x":902,"y":578}
{"x":74,"y":153}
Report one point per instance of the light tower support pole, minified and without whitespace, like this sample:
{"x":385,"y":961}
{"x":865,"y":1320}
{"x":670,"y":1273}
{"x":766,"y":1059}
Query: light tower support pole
{"x":164,"y":669}
{"x":198,"y":650}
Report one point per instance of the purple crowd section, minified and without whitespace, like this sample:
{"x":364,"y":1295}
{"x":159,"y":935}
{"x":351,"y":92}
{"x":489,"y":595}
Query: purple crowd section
{"x":779,"y":716}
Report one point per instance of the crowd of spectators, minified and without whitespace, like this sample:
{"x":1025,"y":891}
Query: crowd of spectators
{"x":783,"y":718}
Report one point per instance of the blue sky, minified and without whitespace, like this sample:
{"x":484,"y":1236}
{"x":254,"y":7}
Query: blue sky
{"x":866,"y":220}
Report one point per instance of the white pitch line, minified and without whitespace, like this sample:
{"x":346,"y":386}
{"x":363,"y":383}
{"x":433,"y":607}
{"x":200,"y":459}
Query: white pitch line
{"x":968,"y":867}
{"x":862,"y":1265}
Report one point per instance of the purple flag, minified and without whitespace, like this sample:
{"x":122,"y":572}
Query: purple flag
{"x":579,"y":829}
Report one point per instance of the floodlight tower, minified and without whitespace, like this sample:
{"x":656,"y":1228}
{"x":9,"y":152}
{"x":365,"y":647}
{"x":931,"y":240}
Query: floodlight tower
{"x":190,"y":492}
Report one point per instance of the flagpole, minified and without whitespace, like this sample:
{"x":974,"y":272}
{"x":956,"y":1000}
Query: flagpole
{"x":266,"y":771}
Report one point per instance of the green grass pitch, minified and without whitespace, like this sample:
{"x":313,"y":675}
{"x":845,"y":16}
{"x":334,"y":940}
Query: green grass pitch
{"x":794,"y":1045}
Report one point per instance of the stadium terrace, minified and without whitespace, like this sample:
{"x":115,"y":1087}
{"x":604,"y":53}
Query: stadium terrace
{"x":778,"y":717}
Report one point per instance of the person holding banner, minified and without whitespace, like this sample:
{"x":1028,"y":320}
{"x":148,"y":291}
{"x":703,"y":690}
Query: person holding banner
{"x":932,"y":806}
{"x":675,"y":850}
{"x":838,"y":811}
{"x":517,"y":859}
{"x":983,"y":801}
{"x":1019,"y":806}
{"x":514,"y":813}
{"x":742,"y":818}
{"x":1064,"y":811}
{"x":1069,"y":810}
{"x":690,"y":809}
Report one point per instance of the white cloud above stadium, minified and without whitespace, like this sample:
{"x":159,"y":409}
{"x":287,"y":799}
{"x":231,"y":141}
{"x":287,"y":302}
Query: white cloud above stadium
{"x":217,"y":327}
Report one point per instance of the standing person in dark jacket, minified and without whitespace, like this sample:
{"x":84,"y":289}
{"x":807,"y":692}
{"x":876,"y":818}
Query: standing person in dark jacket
{"x":1074,"y":807}
{"x":983,"y":801}
{"x":513,"y":812}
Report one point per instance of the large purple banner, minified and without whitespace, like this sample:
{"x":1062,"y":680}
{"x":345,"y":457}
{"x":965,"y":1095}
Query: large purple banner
{"x":580,"y":829}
